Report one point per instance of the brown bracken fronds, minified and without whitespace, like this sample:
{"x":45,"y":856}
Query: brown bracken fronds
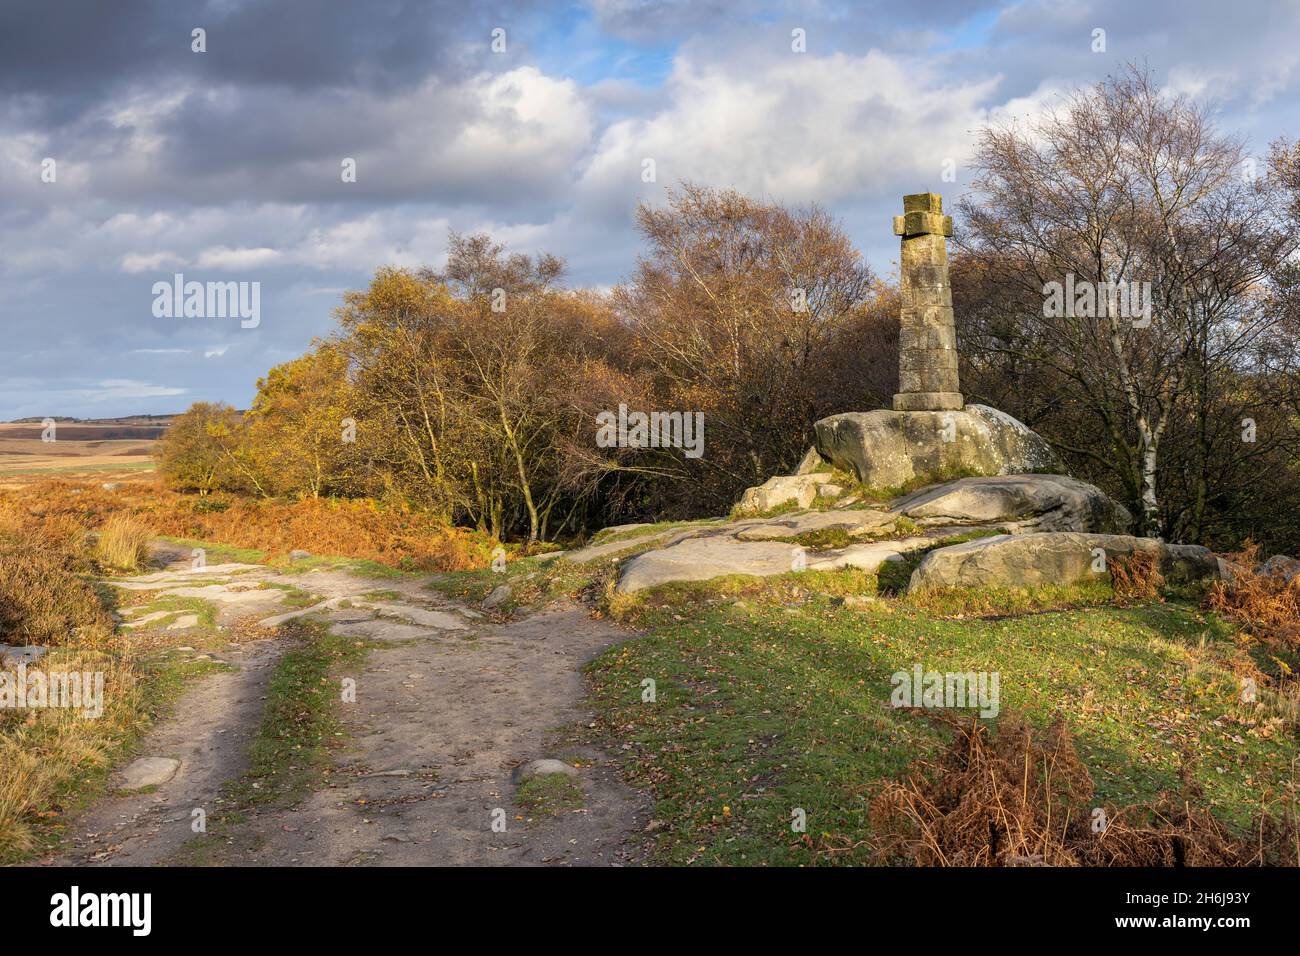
{"x":1023,"y":798}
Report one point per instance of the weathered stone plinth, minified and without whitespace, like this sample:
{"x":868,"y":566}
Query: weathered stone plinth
{"x":927,"y":338}
{"x":890,"y":449}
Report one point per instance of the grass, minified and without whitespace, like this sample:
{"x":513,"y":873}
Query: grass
{"x":301,"y":727}
{"x":122,"y":544}
{"x":550,"y":794}
{"x":358,"y":529}
{"x":56,"y":762}
{"x":359,"y":566}
{"x":49,"y":597}
{"x":291,"y":752}
{"x":780,"y":701}
{"x":214,"y":553}
{"x":56,"y":469}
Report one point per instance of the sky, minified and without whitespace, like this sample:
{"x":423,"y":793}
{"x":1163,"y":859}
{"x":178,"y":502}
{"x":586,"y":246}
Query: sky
{"x":227,"y":164}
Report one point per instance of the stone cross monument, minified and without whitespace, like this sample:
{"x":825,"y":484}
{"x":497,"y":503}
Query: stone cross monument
{"x":927,"y":338}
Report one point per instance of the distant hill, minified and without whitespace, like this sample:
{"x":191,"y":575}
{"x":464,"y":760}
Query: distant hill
{"x":154,"y":420}
{"x":126,"y":428}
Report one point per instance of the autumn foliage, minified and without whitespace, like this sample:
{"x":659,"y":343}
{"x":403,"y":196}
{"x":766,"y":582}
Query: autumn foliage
{"x":1022,"y":797}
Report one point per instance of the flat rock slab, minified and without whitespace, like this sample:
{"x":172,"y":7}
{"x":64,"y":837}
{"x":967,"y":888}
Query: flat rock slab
{"x":426,"y":617}
{"x":859,"y":521}
{"x":1053,"y":558}
{"x":867,"y":556}
{"x":146,"y":619}
{"x":699,"y":559}
{"x":385,"y":630}
{"x":15,"y":655}
{"x":278,"y":619}
{"x":149,"y":582}
{"x":594,"y":552}
{"x":149,"y":772}
{"x":1019,"y":503}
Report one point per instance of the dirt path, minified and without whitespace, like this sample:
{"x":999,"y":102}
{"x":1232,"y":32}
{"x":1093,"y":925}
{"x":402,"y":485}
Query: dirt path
{"x":209,"y":734}
{"x":448,"y":704}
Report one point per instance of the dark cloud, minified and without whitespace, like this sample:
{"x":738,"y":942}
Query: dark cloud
{"x":226,"y":164}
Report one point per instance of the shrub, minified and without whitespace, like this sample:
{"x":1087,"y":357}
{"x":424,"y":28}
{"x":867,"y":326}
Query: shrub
{"x":123,"y":544}
{"x":45,"y":596}
{"x":359,"y":528}
{"x":1022,"y":797}
{"x":1136,"y":575}
{"x":1265,"y":606}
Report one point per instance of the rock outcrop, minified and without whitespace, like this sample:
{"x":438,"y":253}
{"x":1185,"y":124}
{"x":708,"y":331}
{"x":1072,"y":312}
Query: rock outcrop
{"x":890,"y":449}
{"x":1061,"y":558}
{"x":1279,"y":566}
{"x":1019,"y":504}
{"x":715,"y":555}
{"x":990,"y":472}
{"x":800,"y":490}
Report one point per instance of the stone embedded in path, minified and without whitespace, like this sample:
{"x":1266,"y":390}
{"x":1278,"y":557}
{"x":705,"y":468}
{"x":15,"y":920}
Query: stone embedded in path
{"x":180,"y":577}
{"x":425,"y":617}
{"x":890,"y":449}
{"x":542,"y":768}
{"x":378,"y":629}
{"x":13,"y":655}
{"x":500,"y":594}
{"x":183,"y":622}
{"x":1054,"y":558}
{"x":1018,"y":503}
{"x":146,"y":620}
{"x":149,"y":772}
{"x":278,"y":619}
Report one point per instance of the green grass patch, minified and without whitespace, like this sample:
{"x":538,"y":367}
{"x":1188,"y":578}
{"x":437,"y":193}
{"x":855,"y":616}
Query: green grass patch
{"x":551,"y":794}
{"x":361,"y":567}
{"x":219,"y":553}
{"x":780,"y":701}
{"x":301,"y":727}
{"x":301,"y":718}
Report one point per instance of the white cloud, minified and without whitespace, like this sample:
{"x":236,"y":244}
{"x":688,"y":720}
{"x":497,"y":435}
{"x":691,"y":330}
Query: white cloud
{"x":113,"y":389}
{"x":224,"y":257}
{"x":152,"y":262}
{"x":795,"y":128}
